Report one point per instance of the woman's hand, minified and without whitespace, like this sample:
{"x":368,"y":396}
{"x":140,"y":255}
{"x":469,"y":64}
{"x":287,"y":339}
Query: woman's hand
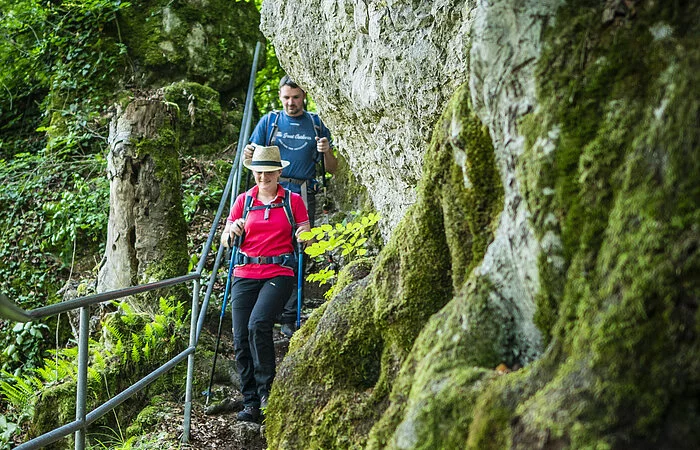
{"x":302,"y":229}
{"x":232,"y":228}
{"x":237,"y":226}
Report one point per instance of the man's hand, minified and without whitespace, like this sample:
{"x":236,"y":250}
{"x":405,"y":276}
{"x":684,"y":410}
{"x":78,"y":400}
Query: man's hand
{"x":322,"y":145}
{"x":248,"y":151}
{"x":329,"y":159}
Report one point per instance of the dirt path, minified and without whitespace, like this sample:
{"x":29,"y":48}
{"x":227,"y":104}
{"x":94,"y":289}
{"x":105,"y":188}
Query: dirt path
{"x":220,"y":429}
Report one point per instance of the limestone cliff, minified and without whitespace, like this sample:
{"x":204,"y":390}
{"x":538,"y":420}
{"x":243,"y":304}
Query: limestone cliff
{"x":537,"y":162}
{"x":380,"y":76}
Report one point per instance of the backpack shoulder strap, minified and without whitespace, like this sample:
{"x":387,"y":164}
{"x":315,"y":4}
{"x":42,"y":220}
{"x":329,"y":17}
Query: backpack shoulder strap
{"x":246,"y":205}
{"x":317,"y":123}
{"x":246,"y":209}
{"x":288,"y":209}
{"x":274,"y":117}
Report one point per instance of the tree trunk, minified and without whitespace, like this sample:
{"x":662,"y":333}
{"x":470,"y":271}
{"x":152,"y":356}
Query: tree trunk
{"x":146,"y":235}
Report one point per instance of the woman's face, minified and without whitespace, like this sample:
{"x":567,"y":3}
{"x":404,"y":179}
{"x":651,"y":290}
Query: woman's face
{"x":267,"y":179}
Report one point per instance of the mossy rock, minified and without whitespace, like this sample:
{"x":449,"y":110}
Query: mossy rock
{"x":359,"y":348}
{"x":55,"y":408}
{"x":203,"y":127}
{"x":211,"y":45}
{"x":620,"y":189}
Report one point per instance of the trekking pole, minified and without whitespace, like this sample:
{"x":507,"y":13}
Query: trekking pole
{"x":232,"y":263}
{"x":300,"y":278}
{"x":325,"y":207}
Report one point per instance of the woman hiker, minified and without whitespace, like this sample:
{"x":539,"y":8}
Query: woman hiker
{"x":263,"y":275}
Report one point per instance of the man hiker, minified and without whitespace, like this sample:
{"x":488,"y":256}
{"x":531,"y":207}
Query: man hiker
{"x":303,"y":140}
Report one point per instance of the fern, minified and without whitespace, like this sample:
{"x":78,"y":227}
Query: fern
{"x":120,"y":351}
{"x":19,"y":391}
{"x":94,"y":378}
{"x":58,"y":368}
{"x":136,"y":348}
{"x":111,"y":331}
{"x":166,"y":306}
{"x":148,"y":333}
{"x":147,"y":351}
{"x":160,"y":323}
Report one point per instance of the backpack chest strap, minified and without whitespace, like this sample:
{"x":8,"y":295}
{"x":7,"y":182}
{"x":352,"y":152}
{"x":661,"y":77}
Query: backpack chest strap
{"x":267,"y":208}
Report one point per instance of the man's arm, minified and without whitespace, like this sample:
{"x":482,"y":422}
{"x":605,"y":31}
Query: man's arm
{"x":259,"y":136}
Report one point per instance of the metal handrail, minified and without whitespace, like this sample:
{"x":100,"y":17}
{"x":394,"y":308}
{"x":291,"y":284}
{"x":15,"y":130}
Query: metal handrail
{"x":10,"y":310}
{"x":69,"y":305}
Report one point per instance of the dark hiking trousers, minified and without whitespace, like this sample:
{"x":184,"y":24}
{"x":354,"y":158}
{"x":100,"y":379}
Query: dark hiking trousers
{"x":255,"y":305}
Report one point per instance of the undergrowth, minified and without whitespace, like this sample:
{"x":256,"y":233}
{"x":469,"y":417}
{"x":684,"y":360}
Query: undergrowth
{"x":133,"y":344}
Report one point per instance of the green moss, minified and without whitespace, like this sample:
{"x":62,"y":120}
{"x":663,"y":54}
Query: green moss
{"x":149,"y":417}
{"x":446,"y":233}
{"x":201,"y":125}
{"x":490,"y":428}
{"x":55,"y":408}
{"x":433,"y":397}
{"x":413,"y":264}
{"x":335,"y":404}
{"x":620,"y":110}
{"x":161,"y":150}
{"x":355,"y":270}
{"x":175,"y":41}
{"x":475,"y":195}
{"x":342,"y":365}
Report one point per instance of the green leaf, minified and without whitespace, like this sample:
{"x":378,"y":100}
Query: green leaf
{"x":306,"y":235}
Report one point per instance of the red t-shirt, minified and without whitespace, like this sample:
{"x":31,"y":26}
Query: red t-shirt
{"x":267,"y":237}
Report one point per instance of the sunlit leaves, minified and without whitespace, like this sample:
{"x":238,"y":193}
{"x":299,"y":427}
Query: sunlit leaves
{"x":347,"y":241}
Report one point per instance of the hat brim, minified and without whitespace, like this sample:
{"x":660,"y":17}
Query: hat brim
{"x":248,"y":163}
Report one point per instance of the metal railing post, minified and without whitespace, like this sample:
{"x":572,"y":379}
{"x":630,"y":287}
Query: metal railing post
{"x":81,"y":394}
{"x":190,"y":363}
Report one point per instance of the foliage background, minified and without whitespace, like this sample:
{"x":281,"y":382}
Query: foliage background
{"x":63,"y":65}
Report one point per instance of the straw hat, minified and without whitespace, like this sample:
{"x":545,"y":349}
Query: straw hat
{"x":265,"y":159}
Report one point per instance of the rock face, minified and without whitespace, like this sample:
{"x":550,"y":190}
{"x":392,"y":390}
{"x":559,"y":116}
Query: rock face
{"x":206,"y":42}
{"x":380,"y":76}
{"x":545,"y":217}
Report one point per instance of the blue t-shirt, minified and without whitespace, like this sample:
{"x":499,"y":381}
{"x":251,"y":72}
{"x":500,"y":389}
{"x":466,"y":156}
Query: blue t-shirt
{"x":296,"y":139}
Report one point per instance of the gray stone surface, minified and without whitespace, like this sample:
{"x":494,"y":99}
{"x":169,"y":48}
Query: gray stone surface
{"x":381,"y":73}
{"x":504,"y":51}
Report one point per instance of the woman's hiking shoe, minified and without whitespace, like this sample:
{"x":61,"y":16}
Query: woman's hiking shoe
{"x":249,"y":414}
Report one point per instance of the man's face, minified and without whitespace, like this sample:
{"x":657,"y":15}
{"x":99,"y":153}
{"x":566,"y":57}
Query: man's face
{"x":292,"y":100}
